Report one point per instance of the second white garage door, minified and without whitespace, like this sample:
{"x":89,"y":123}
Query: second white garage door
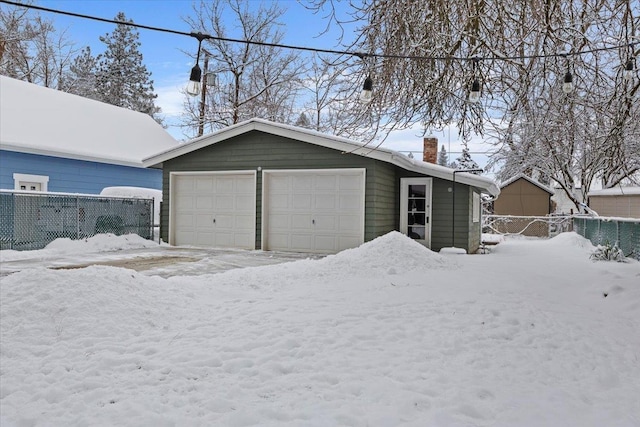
{"x":319,"y":211}
{"x":213,"y":209}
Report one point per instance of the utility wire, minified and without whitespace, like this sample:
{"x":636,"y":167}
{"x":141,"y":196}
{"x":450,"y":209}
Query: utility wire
{"x":200,"y":37}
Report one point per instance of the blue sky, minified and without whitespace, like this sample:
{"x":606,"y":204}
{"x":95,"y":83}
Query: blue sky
{"x":164,"y":54}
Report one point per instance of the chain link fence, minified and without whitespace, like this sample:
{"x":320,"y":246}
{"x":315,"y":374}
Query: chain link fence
{"x":625,"y":233}
{"x":535,"y":226}
{"x":30,"y":220}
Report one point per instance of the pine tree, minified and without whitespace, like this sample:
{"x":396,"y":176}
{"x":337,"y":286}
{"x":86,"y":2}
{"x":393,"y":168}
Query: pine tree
{"x":443,"y":157}
{"x":303,"y":121}
{"x":121,"y":78}
{"x":81,"y":77}
{"x":465,"y":161}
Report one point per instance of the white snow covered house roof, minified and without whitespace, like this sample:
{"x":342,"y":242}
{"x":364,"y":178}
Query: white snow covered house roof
{"x":40,"y":120}
{"x":330,"y":141}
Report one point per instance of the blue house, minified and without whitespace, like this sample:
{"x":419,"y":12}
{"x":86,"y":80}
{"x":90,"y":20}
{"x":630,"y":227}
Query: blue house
{"x":58,"y":142}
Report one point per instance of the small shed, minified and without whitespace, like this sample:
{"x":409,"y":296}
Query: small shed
{"x":269,"y":186}
{"x":621,"y":202}
{"x":523,"y":196}
{"x":524,"y":199}
{"x":58,"y":142}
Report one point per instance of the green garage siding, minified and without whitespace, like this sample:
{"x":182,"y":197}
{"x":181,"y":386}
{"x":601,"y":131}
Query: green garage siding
{"x":259,"y":145}
{"x":256,"y":150}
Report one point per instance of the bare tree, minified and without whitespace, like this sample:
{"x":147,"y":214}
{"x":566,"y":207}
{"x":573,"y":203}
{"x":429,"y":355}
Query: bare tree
{"x":253,"y":80}
{"x":31,"y":49}
{"x":423,"y":57}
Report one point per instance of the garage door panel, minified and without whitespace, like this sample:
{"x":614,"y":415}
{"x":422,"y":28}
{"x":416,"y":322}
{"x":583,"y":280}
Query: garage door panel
{"x":313,"y":211}
{"x":302,"y":183}
{"x":348,"y":222}
{"x":185,"y":203}
{"x":203,"y":184}
{"x":303,"y":221}
{"x":325,"y":202}
{"x":325,"y":182}
{"x":302,"y":242}
{"x":183,"y":221}
{"x":204,"y":221}
{"x":279,"y":221}
{"x":346,"y":182}
{"x":185,"y":184}
{"x":278,"y":202}
{"x":325,"y":243}
{"x":209,"y":210}
{"x":301,"y":201}
{"x":225,"y":203}
{"x":325,"y":223}
{"x":243,"y":222}
{"x":204,"y":202}
{"x":224,"y":222}
{"x":245,"y":203}
{"x":349,"y":202}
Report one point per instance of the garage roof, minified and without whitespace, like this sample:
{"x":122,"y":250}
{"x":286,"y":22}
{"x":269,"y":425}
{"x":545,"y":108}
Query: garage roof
{"x":337,"y":143}
{"x":39,"y":120}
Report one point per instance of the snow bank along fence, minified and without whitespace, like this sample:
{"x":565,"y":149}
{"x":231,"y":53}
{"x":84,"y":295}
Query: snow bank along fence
{"x":536,"y":226}
{"x":31,"y":220}
{"x":623,"y":232}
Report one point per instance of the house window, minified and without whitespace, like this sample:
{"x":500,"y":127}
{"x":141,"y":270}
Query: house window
{"x":476,"y":207}
{"x":26,"y":182}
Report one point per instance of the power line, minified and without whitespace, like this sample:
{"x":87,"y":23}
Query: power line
{"x":200,"y":37}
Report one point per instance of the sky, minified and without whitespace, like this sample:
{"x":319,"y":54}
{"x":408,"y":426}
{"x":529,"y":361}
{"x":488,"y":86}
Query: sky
{"x":533,"y":333}
{"x":166,"y":55}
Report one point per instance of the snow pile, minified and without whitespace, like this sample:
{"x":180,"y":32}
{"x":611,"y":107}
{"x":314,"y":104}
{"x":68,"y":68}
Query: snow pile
{"x":570,"y":240}
{"x":389,"y":255}
{"x":99,"y":243}
{"x":387,"y":334}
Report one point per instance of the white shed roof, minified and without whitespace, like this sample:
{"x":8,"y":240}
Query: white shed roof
{"x":329,"y":141}
{"x":616,"y":191}
{"x":39,"y":120}
{"x":526,"y":178}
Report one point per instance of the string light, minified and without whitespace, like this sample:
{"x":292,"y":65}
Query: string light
{"x":567,"y":82}
{"x":195,"y":79}
{"x":627,"y":74}
{"x":474,"y":94}
{"x":367,"y":90}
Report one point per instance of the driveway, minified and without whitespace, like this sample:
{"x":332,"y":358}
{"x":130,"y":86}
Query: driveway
{"x":164,"y":261}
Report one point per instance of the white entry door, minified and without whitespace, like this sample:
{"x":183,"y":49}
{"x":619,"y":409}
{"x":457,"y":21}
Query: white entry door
{"x":317,"y":211}
{"x":415,"y":209}
{"x":213,"y":209}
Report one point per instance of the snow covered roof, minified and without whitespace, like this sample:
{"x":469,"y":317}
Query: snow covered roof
{"x":329,"y":141}
{"x":531,"y":180}
{"x":40,"y":120}
{"x":616,"y":191}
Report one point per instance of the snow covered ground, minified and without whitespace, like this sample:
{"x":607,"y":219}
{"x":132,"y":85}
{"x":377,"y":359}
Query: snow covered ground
{"x":387,"y":334}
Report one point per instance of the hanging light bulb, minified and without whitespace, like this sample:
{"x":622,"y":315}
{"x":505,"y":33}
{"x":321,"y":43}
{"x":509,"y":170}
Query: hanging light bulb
{"x":193,"y":87}
{"x":367,"y":90}
{"x":474,"y":94}
{"x":567,"y":85}
{"x":627,"y":74}
{"x":195,"y":79}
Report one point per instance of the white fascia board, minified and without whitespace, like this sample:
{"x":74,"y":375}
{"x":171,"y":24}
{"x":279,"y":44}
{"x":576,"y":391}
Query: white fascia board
{"x":337,"y":143}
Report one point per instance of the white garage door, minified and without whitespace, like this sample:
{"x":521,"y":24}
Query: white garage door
{"x":320,"y":211}
{"x":213,"y":209}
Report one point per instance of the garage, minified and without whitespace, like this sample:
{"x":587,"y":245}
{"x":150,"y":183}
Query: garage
{"x":276,"y":187}
{"x":213,"y":209}
{"x":317,"y":211}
